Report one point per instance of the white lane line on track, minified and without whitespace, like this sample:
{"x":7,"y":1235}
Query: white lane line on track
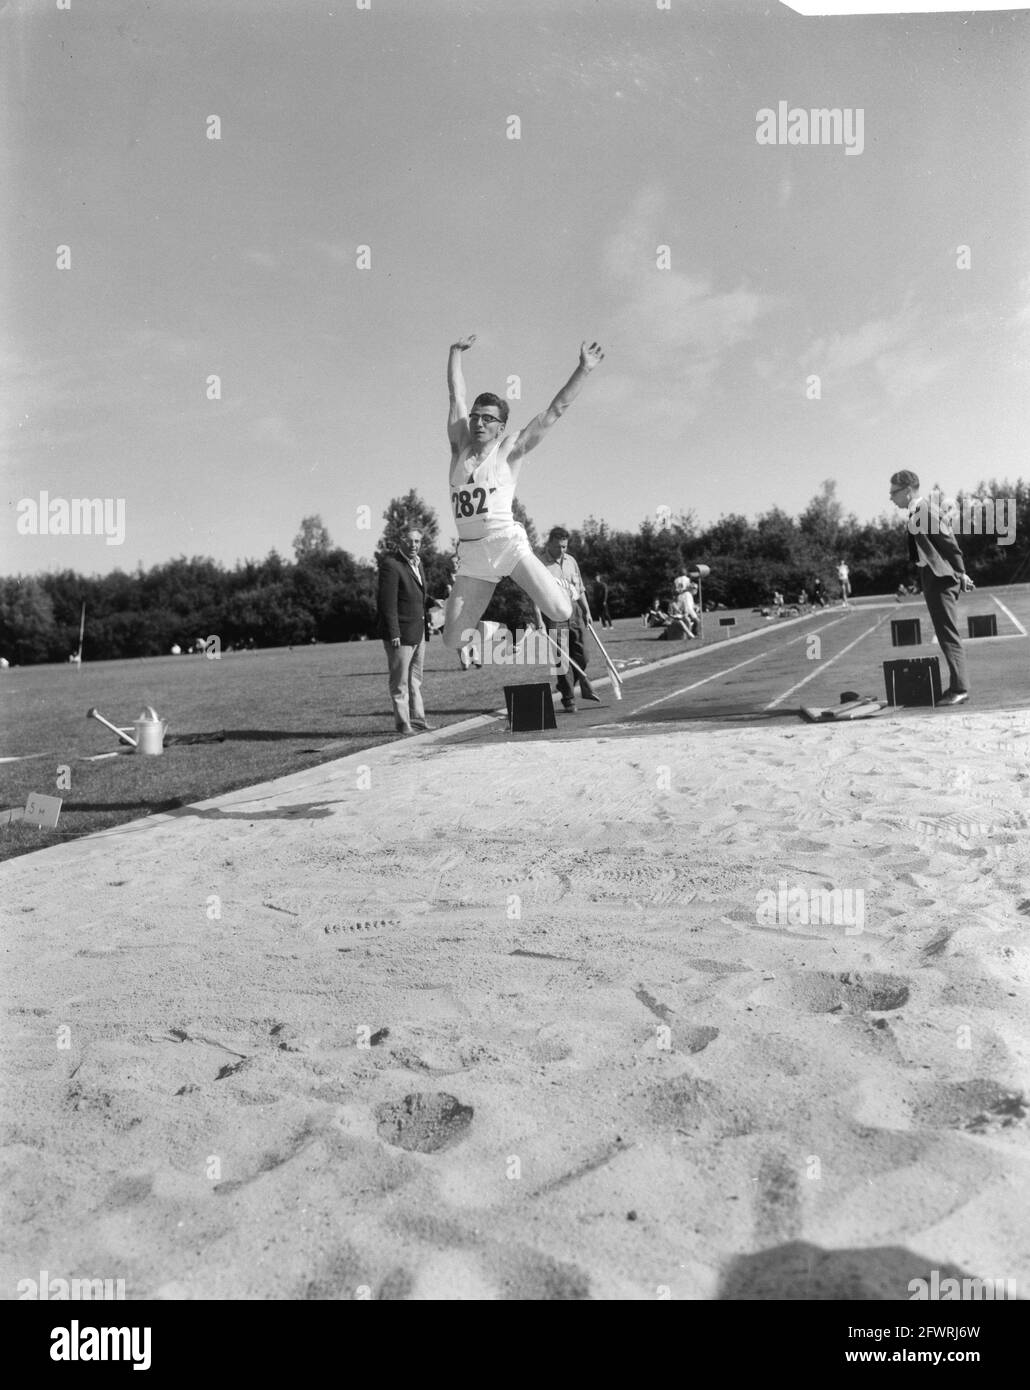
{"x":673,"y":693}
{"x":639,"y":709}
{"x":651,"y":666}
{"x":1010,"y":615}
{"x":696,"y":652}
{"x":824,"y":664}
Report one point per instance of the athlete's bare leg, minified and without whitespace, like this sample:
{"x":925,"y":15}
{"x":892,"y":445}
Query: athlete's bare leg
{"x":466,"y":604}
{"x":531,"y":575}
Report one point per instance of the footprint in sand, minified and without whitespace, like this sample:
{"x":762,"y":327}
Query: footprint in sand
{"x":549,"y":1049}
{"x":693,"y":1039}
{"x":699,"y":1109}
{"x":603,"y":876}
{"x":362,"y":926}
{"x":423,"y":1122}
{"x":113,"y":1109}
{"x":717,"y":967}
{"x":819,"y":992}
{"x":979,"y":1106}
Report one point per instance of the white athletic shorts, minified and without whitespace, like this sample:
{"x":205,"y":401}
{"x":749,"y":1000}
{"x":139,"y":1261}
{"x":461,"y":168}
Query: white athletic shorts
{"x":493,"y":557}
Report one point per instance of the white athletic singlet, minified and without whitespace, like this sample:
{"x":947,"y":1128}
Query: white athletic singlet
{"x":481,"y":499}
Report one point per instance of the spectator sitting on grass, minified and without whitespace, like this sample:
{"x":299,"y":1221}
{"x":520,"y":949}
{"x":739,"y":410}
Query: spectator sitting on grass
{"x":683,"y":613}
{"x":655,"y":617}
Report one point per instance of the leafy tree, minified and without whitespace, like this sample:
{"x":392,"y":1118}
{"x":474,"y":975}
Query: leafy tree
{"x":408,"y":513}
{"x":821,"y":521}
{"x":27,"y":629}
{"x":312,"y":539}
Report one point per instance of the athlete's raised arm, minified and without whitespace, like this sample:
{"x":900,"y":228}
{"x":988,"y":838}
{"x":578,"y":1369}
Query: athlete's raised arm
{"x":457,"y":419}
{"x":589,"y":356}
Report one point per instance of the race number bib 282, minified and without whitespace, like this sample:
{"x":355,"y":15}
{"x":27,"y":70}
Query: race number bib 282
{"x":467,"y":503}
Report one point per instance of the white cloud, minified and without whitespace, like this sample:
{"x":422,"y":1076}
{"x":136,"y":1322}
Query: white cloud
{"x":908,"y":370}
{"x":894,"y":353}
{"x":841,"y":353}
{"x":673,"y":329}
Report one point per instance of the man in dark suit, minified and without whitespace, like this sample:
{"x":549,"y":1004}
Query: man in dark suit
{"x":942,"y":572}
{"x":404,"y":628}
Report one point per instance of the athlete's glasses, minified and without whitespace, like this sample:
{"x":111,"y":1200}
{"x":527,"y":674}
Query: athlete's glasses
{"x":487,"y":419}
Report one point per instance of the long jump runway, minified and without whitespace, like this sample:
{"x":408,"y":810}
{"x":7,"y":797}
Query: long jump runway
{"x":767,"y":675}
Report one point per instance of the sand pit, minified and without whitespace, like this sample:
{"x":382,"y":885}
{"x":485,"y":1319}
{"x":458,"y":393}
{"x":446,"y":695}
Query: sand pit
{"x":491,"y":1023}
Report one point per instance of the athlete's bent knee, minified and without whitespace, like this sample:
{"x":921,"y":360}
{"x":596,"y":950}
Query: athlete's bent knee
{"x":561,"y":609}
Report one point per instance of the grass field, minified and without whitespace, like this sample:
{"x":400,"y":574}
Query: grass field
{"x":272,"y":712}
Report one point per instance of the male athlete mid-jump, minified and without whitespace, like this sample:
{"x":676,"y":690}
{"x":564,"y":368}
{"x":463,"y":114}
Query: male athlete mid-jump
{"x":485,"y":466}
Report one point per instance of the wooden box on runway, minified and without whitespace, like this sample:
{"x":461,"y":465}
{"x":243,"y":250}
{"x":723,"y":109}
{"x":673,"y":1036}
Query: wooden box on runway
{"x":905,"y":632}
{"x":983,"y":625}
{"x":530,"y":708}
{"x":916,"y":681}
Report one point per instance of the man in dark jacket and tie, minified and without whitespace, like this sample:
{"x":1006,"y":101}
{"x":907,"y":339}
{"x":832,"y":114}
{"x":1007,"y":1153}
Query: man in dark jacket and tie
{"x":404,"y":629}
{"x":942,"y":573}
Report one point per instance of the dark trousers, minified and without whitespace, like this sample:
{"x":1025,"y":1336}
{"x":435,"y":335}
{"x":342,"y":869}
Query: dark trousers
{"x":605,"y":616}
{"x":941,"y":593}
{"x":577,"y":653}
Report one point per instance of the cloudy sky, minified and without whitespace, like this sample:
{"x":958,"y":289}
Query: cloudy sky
{"x":389,"y":128}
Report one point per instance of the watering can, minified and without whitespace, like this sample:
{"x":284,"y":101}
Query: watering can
{"x":150,"y":732}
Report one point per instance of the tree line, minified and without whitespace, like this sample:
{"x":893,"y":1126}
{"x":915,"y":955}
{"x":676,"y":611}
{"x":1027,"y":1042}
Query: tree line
{"x":325,"y":594}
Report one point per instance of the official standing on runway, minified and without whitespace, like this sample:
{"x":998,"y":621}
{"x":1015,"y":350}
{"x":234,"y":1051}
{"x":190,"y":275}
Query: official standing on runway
{"x":942,"y":573}
{"x":562,"y":567}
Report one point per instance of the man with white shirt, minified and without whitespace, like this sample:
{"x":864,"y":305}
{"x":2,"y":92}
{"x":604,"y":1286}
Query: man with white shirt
{"x":844,"y":576}
{"x":682,"y":609}
{"x":564,"y":570}
{"x":484,"y":472}
{"x":932,"y":547}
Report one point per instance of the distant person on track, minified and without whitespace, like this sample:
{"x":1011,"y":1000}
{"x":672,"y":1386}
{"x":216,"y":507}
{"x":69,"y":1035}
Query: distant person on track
{"x":484,"y":472}
{"x":601,"y":592}
{"x":942,"y":573}
{"x":844,"y":579}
